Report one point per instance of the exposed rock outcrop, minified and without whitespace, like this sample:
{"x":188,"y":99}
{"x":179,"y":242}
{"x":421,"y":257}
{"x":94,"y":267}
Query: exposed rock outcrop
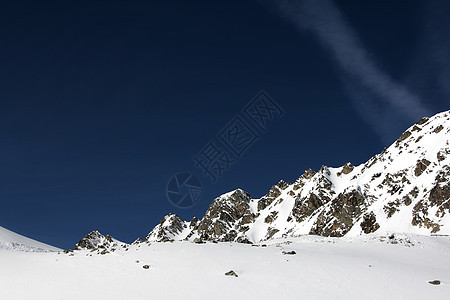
{"x":227,"y":218}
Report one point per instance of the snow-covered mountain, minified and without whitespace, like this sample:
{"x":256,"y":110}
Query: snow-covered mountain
{"x":13,"y":241}
{"x":406,"y":188}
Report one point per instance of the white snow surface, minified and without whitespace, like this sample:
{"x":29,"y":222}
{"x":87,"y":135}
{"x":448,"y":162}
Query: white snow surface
{"x":12,"y":241}
{"x":363,"y":267}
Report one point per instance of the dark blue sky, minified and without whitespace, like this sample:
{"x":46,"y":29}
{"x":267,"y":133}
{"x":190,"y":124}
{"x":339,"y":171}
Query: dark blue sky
{"x":101,"y":102}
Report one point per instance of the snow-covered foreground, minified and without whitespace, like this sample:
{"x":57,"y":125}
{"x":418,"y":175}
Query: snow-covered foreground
{"x":323,"y":268}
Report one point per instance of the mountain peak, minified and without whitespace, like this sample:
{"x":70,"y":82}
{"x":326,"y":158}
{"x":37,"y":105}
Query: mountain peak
{"x":97,"y":241}
{"x":171,"y":226}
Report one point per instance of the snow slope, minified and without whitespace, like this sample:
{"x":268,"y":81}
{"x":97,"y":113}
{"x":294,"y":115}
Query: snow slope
{"x":363,"y":267}
{"x":13,"y":241}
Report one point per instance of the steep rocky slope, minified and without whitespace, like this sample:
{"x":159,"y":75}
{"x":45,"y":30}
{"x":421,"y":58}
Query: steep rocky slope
{"x":405,"y":188}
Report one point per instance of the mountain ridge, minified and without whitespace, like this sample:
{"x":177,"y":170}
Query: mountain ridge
{"x":405,"y":188}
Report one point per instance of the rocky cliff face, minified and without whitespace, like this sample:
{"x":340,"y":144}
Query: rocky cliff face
{"x":227,"y":218}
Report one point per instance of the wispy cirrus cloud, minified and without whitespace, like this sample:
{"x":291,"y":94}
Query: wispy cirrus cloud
{"x":376,"y":96}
